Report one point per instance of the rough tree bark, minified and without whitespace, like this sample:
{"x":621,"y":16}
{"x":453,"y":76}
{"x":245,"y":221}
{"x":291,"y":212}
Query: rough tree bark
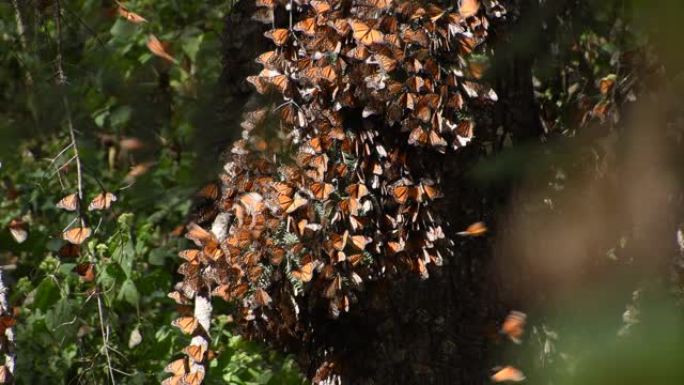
{"x":437,"y":331}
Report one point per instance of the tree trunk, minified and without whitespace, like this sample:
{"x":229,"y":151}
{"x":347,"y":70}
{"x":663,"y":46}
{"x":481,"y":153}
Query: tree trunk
{"x":412,"y":331}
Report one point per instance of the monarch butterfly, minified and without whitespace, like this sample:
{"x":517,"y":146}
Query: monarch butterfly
{"x":365,"y":34}
{"x":356,"y":222}
{"x":357,"y":190}
{"x":200,"y":236}
{"x":333,"y":287}
{"x":268,"y":59}
{"x":514,"y":326}
{"x":252,"y":202}
{"x":508,"y":374}
{"x":291,"y":204}
{"x":241,"y":238}
{"x":342,"y":27}
{"x":175,"y":380}
{"x":415,"y":83}
{"x":475,"y":230}
{"x":360,"y":241}
{"x":349,"y":206}
{"x":77,"y":235}
{"x":209,"y":191}
{"x":131,"y":144}
{"x":68,"y":203}
{"x":5,"y":375}
{"x":424,"y":113}
{"x":194,"y":378}
{"x":178,"y":297}
{"x":86,"y":271}
{"x":277,"y":255}
{"x":254,"y":273}
{"x":6,"y":322}
{"x":319,"y":162}
{"x":156,"y":47}
{"x":338,"y":242}
{"x":421,"y":268}
{"x":430,"y":190}
{"x":266,"y":3}
{"x":321,"y":191}
{"x":435,"y":12}
{"x":280,"y":82}
{"x":403,"y":193}
{"x":395,"y":246}
{"x":386,"y":63}
{"x":469,"y":7}
{"x":355,"y":259}
{"x":102,"y":201}
{"x":177,"y":367}
{"x":359,"y":52}
{"x":229,"y":293}
{"x":187,"y":325}
{"x":130,"y":16}
{"x":416,"y":36}
{"x":606,"y":84}
{"x":436,"y":140}
{"x":455,"y":101}
{"x":328,"y":73}
{"x":320,"y":6}
{"x":261,"y":85}
{"x":262,"y":298}
{"x":306,"y":26}
{"x":393,"y":40}
{"x":19,"y":230}
{"x":305,"y":272}
{"x":263,"y":15}
{"x":195,"y":352}
{"x":278,"y":35}
{"x":380,"y":4}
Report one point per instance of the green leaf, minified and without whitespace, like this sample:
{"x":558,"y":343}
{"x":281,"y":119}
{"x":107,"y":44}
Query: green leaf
{"x":157,"y":257}
{"x":129,"y":293}
{"x":120,"y":116}
{"x":125,"y":220}
{"x":122,"y":29}
{"x":47,"y":293}
{"x":191,"y":45}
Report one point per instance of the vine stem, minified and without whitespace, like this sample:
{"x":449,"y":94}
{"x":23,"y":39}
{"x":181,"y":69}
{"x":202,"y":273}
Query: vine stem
{"x":61,"y":81}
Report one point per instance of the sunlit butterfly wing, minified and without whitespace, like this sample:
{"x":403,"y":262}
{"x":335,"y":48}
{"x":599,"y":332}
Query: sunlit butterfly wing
{"x":77,"y":235}
{"x":508,"y":374}
{"x":68,"y":203}
{"x":102,"y":201}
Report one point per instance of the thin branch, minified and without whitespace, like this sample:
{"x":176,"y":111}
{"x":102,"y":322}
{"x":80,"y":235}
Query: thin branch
{"x":21,"y":31}
{"x":65,"y":149}
{"x":105,"y":337}
{"x":61,"y":81}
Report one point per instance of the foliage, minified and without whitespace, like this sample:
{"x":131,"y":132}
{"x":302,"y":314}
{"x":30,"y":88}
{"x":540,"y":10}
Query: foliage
{"x":135,"y":117}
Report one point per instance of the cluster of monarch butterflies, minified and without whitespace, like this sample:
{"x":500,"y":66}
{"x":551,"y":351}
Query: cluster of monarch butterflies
{"x":332,"y":199}
{"x":78,"y":234}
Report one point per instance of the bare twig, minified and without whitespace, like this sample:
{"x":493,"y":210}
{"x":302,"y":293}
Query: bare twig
{"x":65,"y":149}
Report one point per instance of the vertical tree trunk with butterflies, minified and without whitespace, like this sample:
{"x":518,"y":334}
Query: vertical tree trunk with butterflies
{"x":404,"y":330}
